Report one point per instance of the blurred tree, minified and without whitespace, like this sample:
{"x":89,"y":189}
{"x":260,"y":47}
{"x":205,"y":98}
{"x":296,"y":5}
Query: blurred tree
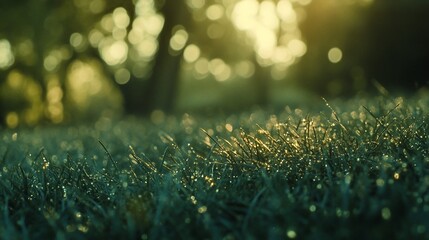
{"x":159,"y":90}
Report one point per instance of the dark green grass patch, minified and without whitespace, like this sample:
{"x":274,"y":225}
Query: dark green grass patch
{"x":354,"y":170}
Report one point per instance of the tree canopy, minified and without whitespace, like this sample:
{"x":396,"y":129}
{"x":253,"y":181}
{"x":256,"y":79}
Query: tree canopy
{"x":69,"y":60}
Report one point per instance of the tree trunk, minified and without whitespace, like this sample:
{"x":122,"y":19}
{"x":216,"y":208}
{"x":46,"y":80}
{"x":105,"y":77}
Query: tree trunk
{"x":159,"y":91}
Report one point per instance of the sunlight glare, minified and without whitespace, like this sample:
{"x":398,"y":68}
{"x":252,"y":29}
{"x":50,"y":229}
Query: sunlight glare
{"x":267,"y":15}
{"x":266,"y":41}
{"x":244,"y":14}
{"x":285,"y":11}
{"x":263,"y":23}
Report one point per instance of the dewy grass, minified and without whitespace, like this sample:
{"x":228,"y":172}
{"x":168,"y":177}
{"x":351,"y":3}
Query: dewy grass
{"x":356,"y":169}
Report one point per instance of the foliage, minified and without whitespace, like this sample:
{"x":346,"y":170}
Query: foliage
{"x":355,"y":169}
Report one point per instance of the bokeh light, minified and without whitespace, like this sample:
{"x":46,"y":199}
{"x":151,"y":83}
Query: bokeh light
{"x":191,"y":53}
{"x":215,"y":12}
{"x":179,"y":39}
{"x":6,"y":56}
{"x":335,"y":55}
{"x":113,"y":52}
{"x":273,"y":28}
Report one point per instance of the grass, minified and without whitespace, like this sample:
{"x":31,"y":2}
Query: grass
{"x":351,"y":170}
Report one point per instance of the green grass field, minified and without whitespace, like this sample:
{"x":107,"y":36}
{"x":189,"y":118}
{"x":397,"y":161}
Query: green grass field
{"x":355,"y":169}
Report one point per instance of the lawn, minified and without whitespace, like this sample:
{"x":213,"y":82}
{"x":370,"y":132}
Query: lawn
{"x":355,"y":169}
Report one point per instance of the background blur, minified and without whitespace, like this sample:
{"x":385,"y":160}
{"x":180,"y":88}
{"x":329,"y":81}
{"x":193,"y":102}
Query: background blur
{"x":63,"y":61}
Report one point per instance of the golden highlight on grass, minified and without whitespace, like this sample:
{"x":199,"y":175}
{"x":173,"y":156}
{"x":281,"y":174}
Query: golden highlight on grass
{"x":356,"y":168}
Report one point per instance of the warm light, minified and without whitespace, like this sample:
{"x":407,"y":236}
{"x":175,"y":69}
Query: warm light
{"x":6,"y":55}
{"x":303,"y":2}
{"x":178,"y":40}
{"x":335,"y":55}
{"x":25,"y":50}
{"x":54,"y":109}
{"x":202,"y":66}
{"x":150,"y":24}
{"x":220,"y":70}
{"x":84,"y":80}
{"x":285,"y":11}
{"x":90,"y":91}
{"x":20,"y":86}
{"x":147,"y":48}
{"x":215,"y":12}
{"x":113,"y":52}
{"x":196,"y":3}
{"x":267,"y":15}
{"x":97,"y":6}
{"x":244,"y":13}
{"x":51,"y":62}
{"x":76,"y":39}
{"x":245,"y":69}
{"x":122,"y":76}
{"x":273,"y":29}
{"x":95,"y":37}
{"x":396,"y":176}
{"x":121,"y":18}
{"x":191,"y":53}
{"x":215,"y":31}
{"x":12,"y":119}
{"x":297,"y":47}
{"x":119,"y":33}
{"x":266,"y":41}
{"x":282,"y":55}
{"x":107,"y":23}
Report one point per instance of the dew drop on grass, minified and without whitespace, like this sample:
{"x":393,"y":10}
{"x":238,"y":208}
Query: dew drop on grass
{"x":14,"y":136}
{"x":202,"y":209}
{"x":396,"y":176}
{"x":193,"y":200}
